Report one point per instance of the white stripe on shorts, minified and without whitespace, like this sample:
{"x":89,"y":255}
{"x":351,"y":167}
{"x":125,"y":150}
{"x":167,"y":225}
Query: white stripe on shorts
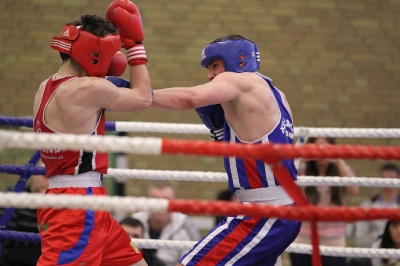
{"x":260,"y":236}
{"x":206,"y":240}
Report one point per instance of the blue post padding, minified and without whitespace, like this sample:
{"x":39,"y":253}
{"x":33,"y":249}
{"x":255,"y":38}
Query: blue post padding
{"x":110,"y":126}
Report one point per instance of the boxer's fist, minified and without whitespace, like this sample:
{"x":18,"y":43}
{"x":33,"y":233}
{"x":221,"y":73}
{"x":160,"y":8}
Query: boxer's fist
{"x":118,"y":65}
{"x":124,"y":15}
{"x":213,"y":117}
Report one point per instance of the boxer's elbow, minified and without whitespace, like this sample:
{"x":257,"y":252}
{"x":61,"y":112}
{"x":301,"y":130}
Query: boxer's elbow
{"x":142,"y":103}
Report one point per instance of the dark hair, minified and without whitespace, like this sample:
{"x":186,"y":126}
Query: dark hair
{"x":337,"y":193}
{"x":331,"y":141}
{"x":390,"y":167}
{"x":387,"y":241}
{"x":230,"y":37}
{"x":225,"y":194}
{"x":132,"y":222}
{"x":94,"y":24}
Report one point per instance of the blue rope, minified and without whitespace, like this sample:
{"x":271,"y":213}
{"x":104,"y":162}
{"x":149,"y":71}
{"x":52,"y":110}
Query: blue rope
{"x":19,"y":170}
{"x":28,"y":122}
{"x":23,"y":236}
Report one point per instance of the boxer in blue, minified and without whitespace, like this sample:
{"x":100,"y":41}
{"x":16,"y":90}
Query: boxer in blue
{"x":240,"y":105}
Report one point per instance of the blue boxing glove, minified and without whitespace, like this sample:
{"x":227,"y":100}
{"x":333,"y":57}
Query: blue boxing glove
{"x":119,"y":82}
{"x":213,"y":117}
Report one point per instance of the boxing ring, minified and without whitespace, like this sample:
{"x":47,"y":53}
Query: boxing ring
{"x":270,"y":153}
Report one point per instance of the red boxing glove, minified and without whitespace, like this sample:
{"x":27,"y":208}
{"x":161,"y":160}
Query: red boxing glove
{"x":118,"y":65}
{"x":124,"y":15}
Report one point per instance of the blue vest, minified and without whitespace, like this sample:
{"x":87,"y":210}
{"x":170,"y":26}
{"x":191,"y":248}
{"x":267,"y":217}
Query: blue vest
{"x":250,"y":173}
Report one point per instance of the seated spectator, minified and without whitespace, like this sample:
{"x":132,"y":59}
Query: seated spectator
{"x":135,"y":229}
{"x":389,"y":239}
{"x":225,"y":195}
{"x":22,"y":253}
{"x":167,"y":225}
{"x":366,"y":232}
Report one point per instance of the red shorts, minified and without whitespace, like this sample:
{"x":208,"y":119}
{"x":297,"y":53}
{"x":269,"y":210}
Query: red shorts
{"x":83,"y":237}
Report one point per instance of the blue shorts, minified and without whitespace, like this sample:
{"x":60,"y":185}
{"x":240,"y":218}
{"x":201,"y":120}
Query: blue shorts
{"x":243,"y":241}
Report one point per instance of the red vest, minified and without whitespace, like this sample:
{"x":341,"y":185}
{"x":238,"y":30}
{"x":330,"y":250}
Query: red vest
{"x":66,"y":162}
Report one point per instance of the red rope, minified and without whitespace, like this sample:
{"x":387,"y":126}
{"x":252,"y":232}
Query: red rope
{"x":299,"y":213}
{"x":268,"y":151}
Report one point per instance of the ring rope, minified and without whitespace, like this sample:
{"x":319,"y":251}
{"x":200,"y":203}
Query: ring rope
{"x":174,"y":175}
{"x":181,"y":245}
{"x":208,"y":207}
{"x":157,"y":146}
{"x":293,"y":248}
{"x":269,"y":153}
{"x":180,"y":128}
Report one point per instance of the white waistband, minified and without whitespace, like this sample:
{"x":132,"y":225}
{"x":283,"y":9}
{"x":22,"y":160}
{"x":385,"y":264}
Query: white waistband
{"x":271,"y":195}
{"x":88,"y":179}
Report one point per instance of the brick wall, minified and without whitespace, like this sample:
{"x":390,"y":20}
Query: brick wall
{"x":337,"y":61}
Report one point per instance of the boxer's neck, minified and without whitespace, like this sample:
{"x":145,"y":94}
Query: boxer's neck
{"x":70,"y":68}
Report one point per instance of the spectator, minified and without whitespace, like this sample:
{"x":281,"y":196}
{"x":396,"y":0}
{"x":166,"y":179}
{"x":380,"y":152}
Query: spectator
{"x":22,"y":253}
{"x":225,"y":195}
{"x":389,"y":239}
{"x":135,"y":229}
{"x":167,"y":226}
{"x":366,"y":232}
{"x":330,"y":233}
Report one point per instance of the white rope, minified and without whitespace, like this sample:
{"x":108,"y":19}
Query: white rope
{"x":123,"y":174}
{"x":338,"y":181}
{"x":293,"y":248}
{"x":104,"y":203}
{"x":166,"y":244}
{"x":347,"y":132}
{"x":346,"y":252}
{"x":29,"y":140}
{"x":161,"y":128}
{"x":166,"y":175}
{"x":178,"y":128}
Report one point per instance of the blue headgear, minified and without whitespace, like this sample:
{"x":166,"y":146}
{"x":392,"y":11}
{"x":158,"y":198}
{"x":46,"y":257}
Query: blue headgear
{"x":237,"y":53}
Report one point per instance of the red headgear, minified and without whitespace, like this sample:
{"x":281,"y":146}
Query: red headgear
{"x":93,"y":53}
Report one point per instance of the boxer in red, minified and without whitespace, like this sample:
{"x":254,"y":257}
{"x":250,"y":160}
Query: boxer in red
{"x":73,"y":101}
